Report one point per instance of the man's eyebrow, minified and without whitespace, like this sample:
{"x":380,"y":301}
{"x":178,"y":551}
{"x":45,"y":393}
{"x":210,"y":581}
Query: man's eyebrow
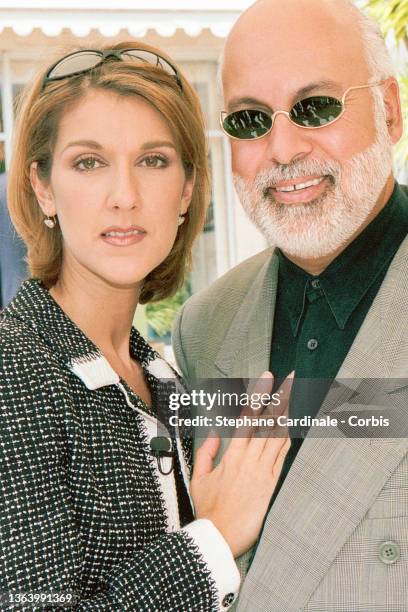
{"x":330,"y":86}
{"x":236,"y":103}
{"x":326,"y":85}
{"x":93,"y":144}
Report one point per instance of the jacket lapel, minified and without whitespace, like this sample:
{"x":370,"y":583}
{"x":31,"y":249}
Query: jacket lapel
{"x":333,"y":481}
{"x":378,"y":349}
{"x":246,"y":352}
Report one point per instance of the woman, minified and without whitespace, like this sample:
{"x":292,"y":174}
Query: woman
{"x":108,"y":188}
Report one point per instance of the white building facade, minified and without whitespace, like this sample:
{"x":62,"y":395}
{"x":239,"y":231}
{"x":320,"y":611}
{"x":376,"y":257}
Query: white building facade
{"x":34,"y":32}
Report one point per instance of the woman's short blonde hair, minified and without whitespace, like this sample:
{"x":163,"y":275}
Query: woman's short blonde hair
{"x":40,"y":111}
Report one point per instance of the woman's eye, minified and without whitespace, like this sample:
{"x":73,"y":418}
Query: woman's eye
{"x":88,"y":163}
{"x":155,"y":161}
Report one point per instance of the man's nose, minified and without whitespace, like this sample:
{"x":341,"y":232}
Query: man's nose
{"x":287,"y":142}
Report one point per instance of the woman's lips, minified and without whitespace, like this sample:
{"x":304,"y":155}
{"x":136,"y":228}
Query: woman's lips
{"x":123,"y":238}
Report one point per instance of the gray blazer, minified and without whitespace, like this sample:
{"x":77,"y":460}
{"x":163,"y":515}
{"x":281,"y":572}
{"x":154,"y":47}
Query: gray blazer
{"x":324,"y":543}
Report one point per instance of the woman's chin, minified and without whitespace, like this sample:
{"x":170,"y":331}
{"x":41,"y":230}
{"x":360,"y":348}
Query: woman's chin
{"x":120,"y":279}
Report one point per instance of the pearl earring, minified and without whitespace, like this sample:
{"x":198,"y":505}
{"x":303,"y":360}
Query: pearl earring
{"x":181,"y":219}
{"x":50,"y":222}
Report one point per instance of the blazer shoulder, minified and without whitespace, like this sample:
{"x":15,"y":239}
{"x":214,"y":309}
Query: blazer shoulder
{"x":232,"y":284}
{"x":209,"y":313}
{"x":21,"y":344}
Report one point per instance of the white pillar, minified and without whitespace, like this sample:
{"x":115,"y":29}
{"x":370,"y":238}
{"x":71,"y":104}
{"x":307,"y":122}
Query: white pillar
{"x":7,"y":106}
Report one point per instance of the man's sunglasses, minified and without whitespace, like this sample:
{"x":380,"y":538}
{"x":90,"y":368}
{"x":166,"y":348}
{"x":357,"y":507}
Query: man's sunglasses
{"x":310,"y":113}
{"x":79,"y":62}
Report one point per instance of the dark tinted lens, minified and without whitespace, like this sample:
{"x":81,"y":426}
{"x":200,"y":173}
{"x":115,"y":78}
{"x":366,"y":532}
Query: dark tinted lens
{"x":75,"y":63}
{"x":316,"y":111}
{"x":247,"y":124}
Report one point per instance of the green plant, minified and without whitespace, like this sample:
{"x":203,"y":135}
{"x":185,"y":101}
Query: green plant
{"x":393,"y":16}
{"x":160,"y":315}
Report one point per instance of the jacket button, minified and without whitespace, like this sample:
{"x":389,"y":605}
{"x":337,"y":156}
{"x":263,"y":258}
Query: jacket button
{"x":389,"y":552}
{"x":228,"y":600}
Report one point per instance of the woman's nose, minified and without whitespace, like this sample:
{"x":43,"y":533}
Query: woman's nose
{"x":125,"y":192}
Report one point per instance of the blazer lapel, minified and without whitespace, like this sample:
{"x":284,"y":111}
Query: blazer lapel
{"x":378,"y":349}
{"x":246,"y":352}
{"x":333,"y":481}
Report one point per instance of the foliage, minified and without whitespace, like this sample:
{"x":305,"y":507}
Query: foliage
{"x":160,"y":315}
{"x":393,"y":16}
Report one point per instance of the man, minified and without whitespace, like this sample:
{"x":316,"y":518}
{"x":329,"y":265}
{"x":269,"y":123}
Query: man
{"x":313,"y":110}
{"x":12,"y":266}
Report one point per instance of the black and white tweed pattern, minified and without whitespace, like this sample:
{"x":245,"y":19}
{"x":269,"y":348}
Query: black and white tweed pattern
{"x":81,"y":507}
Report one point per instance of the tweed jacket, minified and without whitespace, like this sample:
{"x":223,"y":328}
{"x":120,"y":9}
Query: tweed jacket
{"x":336,"y":537}
{"x":85,"y":512}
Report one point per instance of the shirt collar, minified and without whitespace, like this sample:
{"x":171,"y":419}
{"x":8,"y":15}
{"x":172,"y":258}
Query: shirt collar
{"x":348,"y":278}
{"x":34,"y":306}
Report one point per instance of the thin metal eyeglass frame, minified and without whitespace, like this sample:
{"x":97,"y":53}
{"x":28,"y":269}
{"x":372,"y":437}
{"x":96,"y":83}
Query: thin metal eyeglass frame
{"x":225,"y":114}
{"x":117,"y":53}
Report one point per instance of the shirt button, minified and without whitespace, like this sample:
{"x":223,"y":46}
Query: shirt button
{"x":312,"y":344}
{"x":389,"y":552}
{"x":315,"y":283}
{"x":228,"y":600}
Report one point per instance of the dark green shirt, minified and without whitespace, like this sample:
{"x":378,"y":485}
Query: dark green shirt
{"x":318,"y":317}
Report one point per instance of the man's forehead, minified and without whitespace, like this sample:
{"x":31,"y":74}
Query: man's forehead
{"x":261,"y":74}
{"x":271,"y":45}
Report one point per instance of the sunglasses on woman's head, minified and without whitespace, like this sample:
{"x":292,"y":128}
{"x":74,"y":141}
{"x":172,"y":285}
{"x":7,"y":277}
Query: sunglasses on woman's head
{"x":310,"y":113}
{"x":79,"y":62}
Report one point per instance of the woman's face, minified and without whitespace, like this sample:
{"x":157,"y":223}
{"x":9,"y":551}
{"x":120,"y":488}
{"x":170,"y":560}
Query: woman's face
{"x":118,"y":187}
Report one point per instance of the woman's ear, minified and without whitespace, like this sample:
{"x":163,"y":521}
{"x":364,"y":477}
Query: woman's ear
{"x":188,"y":191}
{"x":42,"y":191}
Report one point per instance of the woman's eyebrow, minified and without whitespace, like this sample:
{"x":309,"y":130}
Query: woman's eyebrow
{"x":92,"y":144}
{"x":157,"y":143}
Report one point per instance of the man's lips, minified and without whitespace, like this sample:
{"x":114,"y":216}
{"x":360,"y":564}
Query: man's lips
{"x":297,"y":191}
{"x":298,"y":184}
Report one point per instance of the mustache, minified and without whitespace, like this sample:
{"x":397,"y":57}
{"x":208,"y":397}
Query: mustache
{"x":267,"y":179}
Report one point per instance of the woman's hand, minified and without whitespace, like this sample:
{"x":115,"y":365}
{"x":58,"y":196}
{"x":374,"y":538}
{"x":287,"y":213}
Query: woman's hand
{"x":236,"y":493}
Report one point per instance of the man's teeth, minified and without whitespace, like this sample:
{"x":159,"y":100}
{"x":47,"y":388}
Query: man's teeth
{"x":301,"y":185}
{"x":124,"y":234}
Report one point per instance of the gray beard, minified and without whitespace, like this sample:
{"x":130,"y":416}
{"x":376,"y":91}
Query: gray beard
{"x":321,"y":226}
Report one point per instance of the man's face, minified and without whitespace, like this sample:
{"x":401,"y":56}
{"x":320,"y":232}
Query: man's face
{"x":339,"y":170}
